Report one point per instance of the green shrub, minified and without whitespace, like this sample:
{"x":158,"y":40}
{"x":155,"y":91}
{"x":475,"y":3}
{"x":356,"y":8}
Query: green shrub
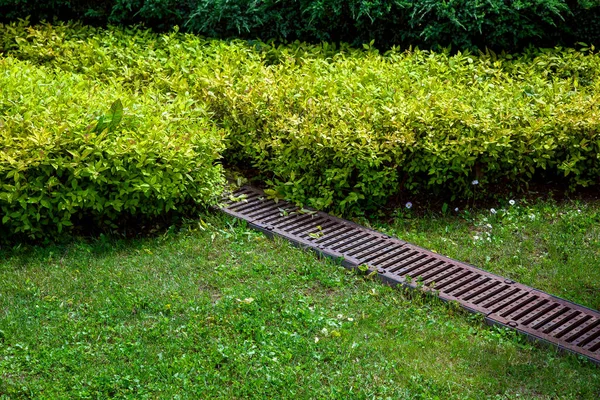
{"x":74,"y":151}
{"x":463,"y":23}
{"x":349,"y":129}
{"x":429,"y":23}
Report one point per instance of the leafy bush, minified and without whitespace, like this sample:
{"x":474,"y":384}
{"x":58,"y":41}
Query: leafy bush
{"x":74,"y":151}
{"x":347,"y":129}
{"x":356,"y":128}
{"x":461,"y":23}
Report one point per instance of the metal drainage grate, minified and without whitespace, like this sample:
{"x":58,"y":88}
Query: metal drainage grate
{"x":538,"y":314}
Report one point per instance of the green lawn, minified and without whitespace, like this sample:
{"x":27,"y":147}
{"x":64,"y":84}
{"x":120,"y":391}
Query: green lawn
{"x":220,"y":311}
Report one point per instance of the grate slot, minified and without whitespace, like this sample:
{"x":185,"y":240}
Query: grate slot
{"x":528,"y":310}
{"x":549,"y":318}
{"x":367,"y":243}
{"x":281,"y":217}
{"x":239,"y":205}
{"x":448,"y":272}
{"x":308,"y":227}
{"x":324,"y":228}
{"x":262,"y":210}
{"x":314,"y":233}
{"x":308,"y":224}
{"x":535,"y":316}
{"x":420,"y":263}
{"x":242,"y":206}
{"x":477,"y":283}
{"x":383,"y":244}
{"x":475,"y":293}
{"x":334,"y":231}
{"x":402,"y":255}
{"x":307,"y":230}
{"x":394,"y":266}
{"x":294,"y":220}
{"x":453,"y":278}
{"x":562,"y":322}
{"x":342,"y":244}
{"x":576,"y":323}
{"x":595,"y":347}
{"x":490,"y":296}
{"x":522,"y":303}
{"x":501,"y":305}
{"x":582,"y":329}
{"x":404,"y":261}
{"x":253,"y":206}
{"x":445,"y":268}
{"x":395,"y":250}
{"x":505,"y":299}
{"x":460,"y":283}
{"x":257,"y":210}
{"x":333,"y":237}
{"x":263,"y":216}
{"x":418,"y":273}
{"x":391,"y":255}
{"x":339,"y":238}
{"x":359,"y":243}
{"x":300,"y":222}
{"x":298,"y":230}
{"x":590,"y":337}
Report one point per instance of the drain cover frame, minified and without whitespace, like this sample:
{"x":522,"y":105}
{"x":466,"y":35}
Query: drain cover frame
{"x":541,"y":316}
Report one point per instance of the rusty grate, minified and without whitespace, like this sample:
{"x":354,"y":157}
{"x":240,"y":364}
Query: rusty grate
{"x":540,"y":315}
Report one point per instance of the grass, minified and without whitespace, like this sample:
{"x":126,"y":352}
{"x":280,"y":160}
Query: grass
{"x":220,"y":312}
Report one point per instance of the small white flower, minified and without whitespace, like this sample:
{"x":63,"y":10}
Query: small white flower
{"x":350,"y":319}
{"x":493,"y":210}
{"x":409,"y":205}
{"x":475,"y":237}
{"x":511,"y":202}
{"x":532,"y":217}
{"x":578,"y":211}
{"x":456,"y":209}
{"x":316,"y":339}
{"x":475,"y":182}
{"x":489,"y":226}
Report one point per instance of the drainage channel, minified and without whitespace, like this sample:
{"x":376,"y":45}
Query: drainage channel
{"x":539,"y":315}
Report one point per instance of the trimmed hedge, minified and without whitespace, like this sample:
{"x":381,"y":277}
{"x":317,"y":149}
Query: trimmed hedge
{"x":355,"y":129}
{"x":498,"y":24}
{"x":75,"y":151}
{"x":347,"y":129}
